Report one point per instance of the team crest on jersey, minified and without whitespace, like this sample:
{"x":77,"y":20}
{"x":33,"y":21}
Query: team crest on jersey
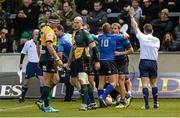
{"x":49,"y":35}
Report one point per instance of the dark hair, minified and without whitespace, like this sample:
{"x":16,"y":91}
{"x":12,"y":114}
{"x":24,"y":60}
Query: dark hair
{"x":53,"y":17}
{"x":171,"y":37}
{"x":98,"y":1}
{"x":116,"y":24}
{"x":134,"y":0}
{"x":67,"y":1}
{"x":148,"y":28}
{"x":60,"y":27}
{"x":164,"y":45}
{"x":45,"y":11}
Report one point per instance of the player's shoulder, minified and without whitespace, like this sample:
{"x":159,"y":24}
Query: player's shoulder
{"x":140,"y":34}
{"x":118,"y":36}
{"x":100,"y":35}
{"x":68,"y":36}
{"x":47,"y":29}
{"x":28,"y":42}
{"x":156,"y":38}
{"x":83,"y":32}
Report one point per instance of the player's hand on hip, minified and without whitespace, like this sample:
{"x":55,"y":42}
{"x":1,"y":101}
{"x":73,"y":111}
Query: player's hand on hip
{"x":97,"y":66}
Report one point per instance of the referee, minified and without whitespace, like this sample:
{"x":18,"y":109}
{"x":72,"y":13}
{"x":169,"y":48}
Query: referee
{"x":149,"y":46}
{"x":32,"y":69}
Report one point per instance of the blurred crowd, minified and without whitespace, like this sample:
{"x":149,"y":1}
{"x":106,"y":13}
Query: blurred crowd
{"x":18,"y":18}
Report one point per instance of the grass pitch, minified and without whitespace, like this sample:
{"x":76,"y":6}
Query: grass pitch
{"x":12,"y":108}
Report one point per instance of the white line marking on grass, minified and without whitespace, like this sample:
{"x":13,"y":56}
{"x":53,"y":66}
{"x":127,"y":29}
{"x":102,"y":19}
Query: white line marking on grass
{"x":16,"y":108}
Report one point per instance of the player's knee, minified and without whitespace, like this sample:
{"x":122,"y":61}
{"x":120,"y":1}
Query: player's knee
{"x":55,"y":79}
{"x":71,"y":81}
{"x":83,"y":77}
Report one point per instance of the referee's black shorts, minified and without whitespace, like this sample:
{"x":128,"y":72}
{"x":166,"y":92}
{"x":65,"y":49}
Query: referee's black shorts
{"x":148,"y":68}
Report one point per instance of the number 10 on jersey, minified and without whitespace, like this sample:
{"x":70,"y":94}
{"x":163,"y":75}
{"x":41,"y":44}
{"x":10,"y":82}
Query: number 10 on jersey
{"x":104,"y":43}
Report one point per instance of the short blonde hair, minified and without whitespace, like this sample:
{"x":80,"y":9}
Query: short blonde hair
{"x":116,"y":24}
{"x":106,"y":27}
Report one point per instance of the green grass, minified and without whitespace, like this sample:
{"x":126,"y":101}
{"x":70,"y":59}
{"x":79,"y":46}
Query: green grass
{"x":168,"y":108}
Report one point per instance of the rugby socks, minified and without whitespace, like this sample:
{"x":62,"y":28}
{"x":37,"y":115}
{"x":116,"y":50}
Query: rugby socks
{"x":100,"y":92}
{"x":155,"y":94}
{"x":127,"y":95}
{"x":24,"y":90}
{"x":51,"y":91}
{"x":146,"y":95}
{"x":84,"y":94}
{"x":53,"y":85}
{"x":122,"y":101}
{"x":81,"y":94}
{"x":108,"y":90}
{"x":69,"y":91}
{"x":90,"y":94}
{"x":45,"y":95}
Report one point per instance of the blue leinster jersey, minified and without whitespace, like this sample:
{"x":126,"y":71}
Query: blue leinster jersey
{"x":121,"y":47}
{"x":107,"y":45}
{"x":65,"y":44}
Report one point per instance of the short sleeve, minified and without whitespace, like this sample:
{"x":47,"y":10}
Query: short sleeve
{"x":119,"y":37}
{"x":126,"y":43}
{"x":88,"y":37}
{"x":49,"y":35}
{"x":25,"y":48}
{"x":140,"y":36}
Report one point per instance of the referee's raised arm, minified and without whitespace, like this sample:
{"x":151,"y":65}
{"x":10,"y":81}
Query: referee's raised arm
{"x":148,"y":67}
{"x":133,"y":21}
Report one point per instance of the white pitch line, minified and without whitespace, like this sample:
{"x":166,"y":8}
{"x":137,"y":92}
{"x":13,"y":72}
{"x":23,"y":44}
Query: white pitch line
{"x":16,"y":108}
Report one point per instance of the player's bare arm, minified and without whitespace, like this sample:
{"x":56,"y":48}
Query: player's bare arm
{"x":95,"y":55}
{"x":129,"y":50}
{"x":53,"y":53}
